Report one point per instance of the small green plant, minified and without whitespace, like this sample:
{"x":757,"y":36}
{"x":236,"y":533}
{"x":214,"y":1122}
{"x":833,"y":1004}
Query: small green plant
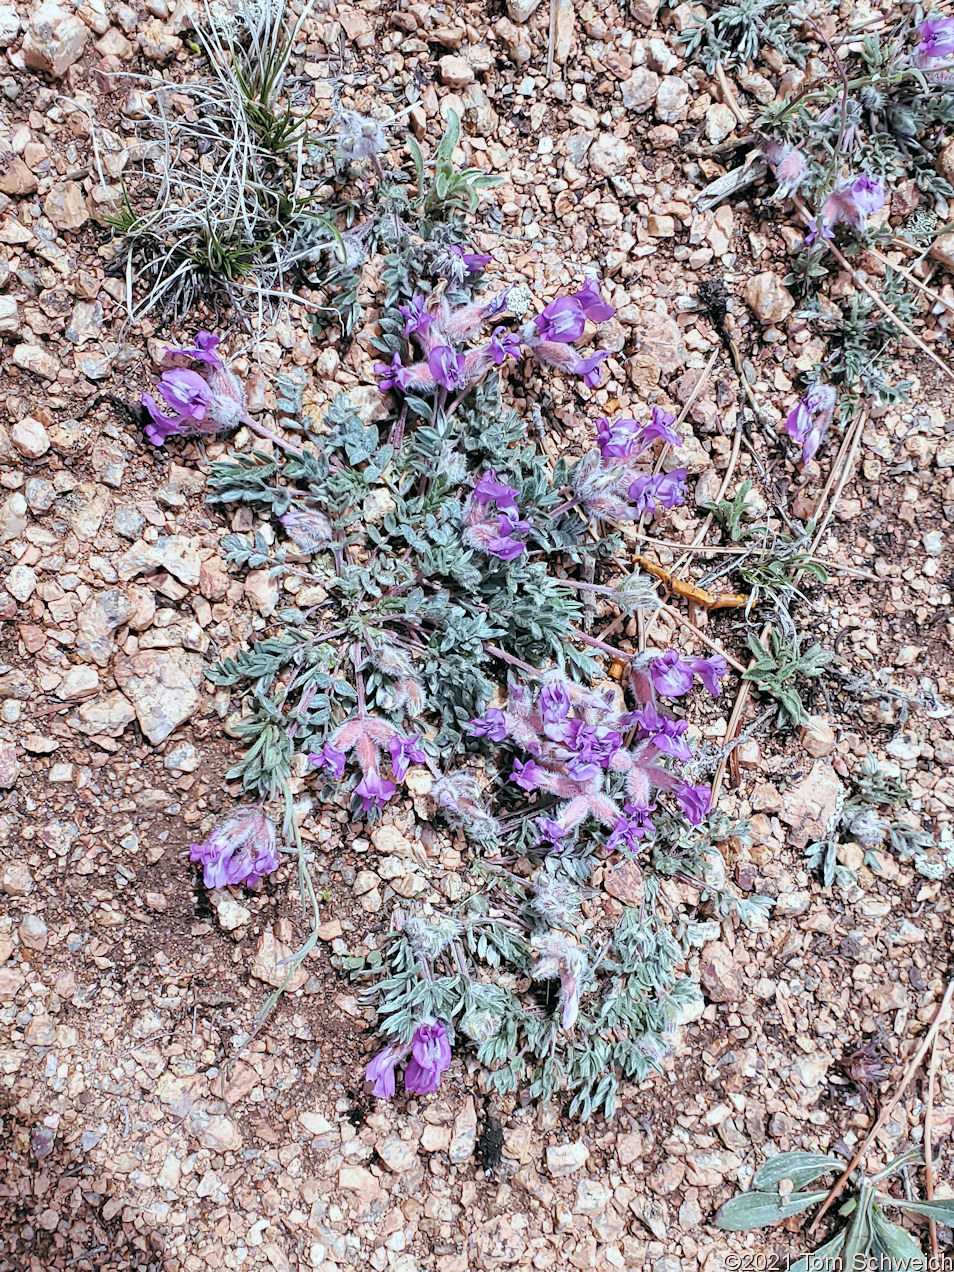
{"x":777,"y":669}
{"x":866,"y":1234}
{"x":867,"y":818}
{"x":448,"y":191}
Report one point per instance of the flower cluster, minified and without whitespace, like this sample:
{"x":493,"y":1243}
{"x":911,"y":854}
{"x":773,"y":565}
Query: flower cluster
{"x":430,"y":1055}
{"x":573,"y":741}
{"x":240,"y":849}
{"x":851,"y":202}
{"x":808,"y":422}
{"x":203,"y":402}
{"x":605,"y":481}
{"x":440,"y":334}
{"x":367,"y":736}
{"x":492,"y":520}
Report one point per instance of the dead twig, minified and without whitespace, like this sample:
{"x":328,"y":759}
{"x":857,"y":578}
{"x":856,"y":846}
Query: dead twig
{"x":733,"y":725}
{"x":928,"y":1127}
{"x":887,"y":1109}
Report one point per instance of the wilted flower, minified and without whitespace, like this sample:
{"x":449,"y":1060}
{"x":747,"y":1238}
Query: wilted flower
{"x":557,"y":957}
{"x":430,"y":1056}
{"x":808,"y":422}
{"x":380,"y":1071}
{"x":202,"y":404}
{"x":308,"y":528}
{"x":480,"y":1025}
{"x":851,"y":203}
{"x":240,"y":849}
{"x":788,"y":165}
{"x":650,"y":492}
{"x":359,"y":136}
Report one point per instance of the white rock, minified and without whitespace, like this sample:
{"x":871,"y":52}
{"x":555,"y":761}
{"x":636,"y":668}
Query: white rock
{"x":565,"y":1159}
{"x":21,"y":583}
{"x":81,"y":681}
{"x":229,"y":912}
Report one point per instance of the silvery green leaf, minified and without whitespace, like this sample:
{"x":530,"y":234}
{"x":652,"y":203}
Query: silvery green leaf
{"x":817,"y":1259}
{"x":762,"y":1209}
{"x":801,"y":1168}
{"x":943,"y":1211}
{"x":902,"y":1251}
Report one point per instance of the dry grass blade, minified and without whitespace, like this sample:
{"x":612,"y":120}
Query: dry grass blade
{"x":733,"y":726}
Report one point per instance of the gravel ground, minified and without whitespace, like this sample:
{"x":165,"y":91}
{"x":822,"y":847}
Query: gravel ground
{"x":136,"y":1133}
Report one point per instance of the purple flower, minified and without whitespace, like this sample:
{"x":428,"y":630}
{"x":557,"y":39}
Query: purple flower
{"x":492,"y":724}
{"x":473,"y":261}
{"x":404,"y":751}
{"x":240,"y":849}
{"x":665,"y":732}
{"x":447,"y":367}
{"x":592,"y":303}
{"x":308,"y":528}
{"x":808,"y":422}
{"x":380,"y":1072}
{"x":204,"y":351}
{"x":416,"y":318}
{"x":186,"y":392}
{"x":430,"y":1056}
{"x":330,"y":758}
{"x":937,"y":40}
{"x":504,"y":343}
{"x":393,"y":376}
{"x":554,"y":701}
{"x":526,"y":774}
{"x":160,"y":426}
{"x":374,"y":791}
{"x":489,"y":490}
{"x":549,"y":831}
{"x":562,"y":321}
{"x":852,"y":201}
{"x":818,"y":229}
{"x":868,"y":194}
{"x":634,"y":826}
{"x":666,"y":490}
{"x":503,"y":544}
{"x":693,"y":800}
{"x":625,"y":439}
{"x":588,"y":368}
{"x":671,"y":674}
